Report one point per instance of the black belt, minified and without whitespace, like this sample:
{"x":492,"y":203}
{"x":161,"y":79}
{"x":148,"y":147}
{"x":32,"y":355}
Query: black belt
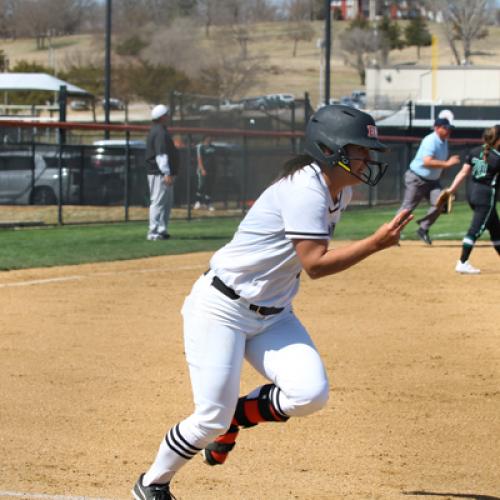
{"x":229,"y":292}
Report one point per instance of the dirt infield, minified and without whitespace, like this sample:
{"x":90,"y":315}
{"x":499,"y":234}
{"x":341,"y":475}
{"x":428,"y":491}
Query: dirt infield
{"x":92,"y":375}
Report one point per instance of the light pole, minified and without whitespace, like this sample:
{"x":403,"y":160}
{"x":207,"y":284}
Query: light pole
{"x":320,"y":44}
{"x":107,"y":67}
{"x":328,"y":46}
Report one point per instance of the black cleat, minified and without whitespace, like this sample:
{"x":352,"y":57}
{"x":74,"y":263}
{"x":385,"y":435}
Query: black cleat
{"x":216,"y":452}
{"x":151,"y":492}
{"x":424,"y":236}
{"x":163,"y":236}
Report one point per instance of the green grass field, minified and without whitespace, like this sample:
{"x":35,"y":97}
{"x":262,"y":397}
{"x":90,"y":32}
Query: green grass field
{"x":56,"y":246}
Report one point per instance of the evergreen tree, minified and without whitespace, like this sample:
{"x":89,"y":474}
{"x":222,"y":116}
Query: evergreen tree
{"x":4,"y":61}
{"x":389,"y":37}
{"x":392,"y":32}
{"x":417,"y":33}
{"x":360,"y":22}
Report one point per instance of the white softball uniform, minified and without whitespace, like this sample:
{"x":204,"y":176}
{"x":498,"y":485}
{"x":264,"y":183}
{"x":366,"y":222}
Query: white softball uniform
{"x":261,"y":266}
{"x":260,"y":262}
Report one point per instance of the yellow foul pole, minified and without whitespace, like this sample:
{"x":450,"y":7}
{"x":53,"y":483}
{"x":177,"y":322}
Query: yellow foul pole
{"x":434,"y":66}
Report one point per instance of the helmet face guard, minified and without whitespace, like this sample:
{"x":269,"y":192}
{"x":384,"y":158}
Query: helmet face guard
{"x":374,"y":170}
{"x":332,"y":128}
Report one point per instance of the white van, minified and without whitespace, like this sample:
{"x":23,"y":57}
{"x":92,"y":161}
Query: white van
{"x":28,"y":179}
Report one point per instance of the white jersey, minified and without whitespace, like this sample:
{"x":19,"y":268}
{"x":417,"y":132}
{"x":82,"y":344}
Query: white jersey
{"x":260,"y":263}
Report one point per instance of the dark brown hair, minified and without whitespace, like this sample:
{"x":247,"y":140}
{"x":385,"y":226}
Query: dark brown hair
{"x":490,"y":137}
{"x":294,"y":165}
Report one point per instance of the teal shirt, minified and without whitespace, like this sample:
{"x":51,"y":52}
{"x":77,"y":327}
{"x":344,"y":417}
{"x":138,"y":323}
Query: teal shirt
{"x":431,"y":145}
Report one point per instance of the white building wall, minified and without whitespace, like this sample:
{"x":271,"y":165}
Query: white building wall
{"x":454,"y":84}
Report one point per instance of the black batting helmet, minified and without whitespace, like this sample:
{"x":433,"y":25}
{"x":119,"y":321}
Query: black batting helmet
{"x":332,"y":128}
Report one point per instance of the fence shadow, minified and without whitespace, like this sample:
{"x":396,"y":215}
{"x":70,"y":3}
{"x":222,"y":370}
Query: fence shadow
{"x":471,"y":496}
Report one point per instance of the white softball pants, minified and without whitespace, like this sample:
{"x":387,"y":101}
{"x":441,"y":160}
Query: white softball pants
{"x":219,"y":333}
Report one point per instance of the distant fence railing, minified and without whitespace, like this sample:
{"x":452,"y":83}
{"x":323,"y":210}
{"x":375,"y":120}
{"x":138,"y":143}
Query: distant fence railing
{"x":63,"y":173}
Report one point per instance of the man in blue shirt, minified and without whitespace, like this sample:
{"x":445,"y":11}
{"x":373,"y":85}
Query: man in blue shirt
{"x":422,"y":178}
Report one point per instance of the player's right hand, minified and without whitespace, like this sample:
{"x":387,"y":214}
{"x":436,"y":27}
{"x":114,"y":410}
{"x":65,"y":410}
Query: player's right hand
{"x":388,"y":234}
{"x":453,"y":160}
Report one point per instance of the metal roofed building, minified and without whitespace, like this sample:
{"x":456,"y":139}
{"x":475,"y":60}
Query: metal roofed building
{"x":38,"y":81}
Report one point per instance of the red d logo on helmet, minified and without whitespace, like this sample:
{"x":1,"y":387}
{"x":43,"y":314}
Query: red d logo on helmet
{"x":372,"y":131}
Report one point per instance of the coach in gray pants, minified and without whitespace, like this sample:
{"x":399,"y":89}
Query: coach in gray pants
{"x":422,"y":178}
{"x":162,"y":160}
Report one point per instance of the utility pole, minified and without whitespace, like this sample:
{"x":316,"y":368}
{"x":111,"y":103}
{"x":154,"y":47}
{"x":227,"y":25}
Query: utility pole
{"x":107,"y":67}
{"x":372,"y":12}
{"x":328,"y":48}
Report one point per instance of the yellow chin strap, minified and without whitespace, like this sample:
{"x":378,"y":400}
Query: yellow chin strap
{"x":344,"y":166}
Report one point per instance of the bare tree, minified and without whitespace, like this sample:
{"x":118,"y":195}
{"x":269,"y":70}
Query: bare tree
{"x":233,"y":35}
{"x":230,"y":75}
{"x":207,"y":12}
{"x":298,"y":13}
{"x":358,"y":45}
{"x":6,"y":14}
{"x":72,"y":14}
{"x":463,"y":21}
{"x":43,"y":19}
{"x":128,"y":13}
{"x":300,"y":31}
{"x":33,"y":18}
{"x":241,"y":34}
{"x":298,"y":10}
{"x":177,"y":47}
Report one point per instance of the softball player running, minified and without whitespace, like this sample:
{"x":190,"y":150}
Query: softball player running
{"x":241,"y":307}
{"x":482,"y":164}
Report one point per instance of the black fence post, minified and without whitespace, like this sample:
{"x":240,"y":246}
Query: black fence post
{"x":33,"y":165}
{"x":127,"y":175}
{"x":60,"y":200}
{"x":188,"y":175}
{"x":244,"y":175}
{"x":82,"y":176}
{"x":181,"y":107}
{"x":410,"y":116}
{"x":63,"y":95}
{"x":307,"y":108}
{"x":401,"y":168}
{"x":293,"y":124}
{"x":370,"y":196}
{"x":172,"y":104}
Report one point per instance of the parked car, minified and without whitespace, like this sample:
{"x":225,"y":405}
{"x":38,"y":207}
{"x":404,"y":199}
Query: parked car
{"x":279,"y":100}
{"x":34,"y":179}
{"x":254,"y":103}
{"x":268,"y":102}
{"x":106,"y":149}
{"x":330,"y":101}
{"x":108,"y":162}
{"x":347,"y":101}
{"x":359,"y":97}
{"x":79,"y":105}
{"x":115,"y":104}
{"x":224,"y":106}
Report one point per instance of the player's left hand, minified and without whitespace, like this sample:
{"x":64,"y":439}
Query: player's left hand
{"x":445,"y":201}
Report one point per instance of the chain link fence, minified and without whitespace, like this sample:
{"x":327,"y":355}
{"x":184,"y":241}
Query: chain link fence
{"x":86,"y":179}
